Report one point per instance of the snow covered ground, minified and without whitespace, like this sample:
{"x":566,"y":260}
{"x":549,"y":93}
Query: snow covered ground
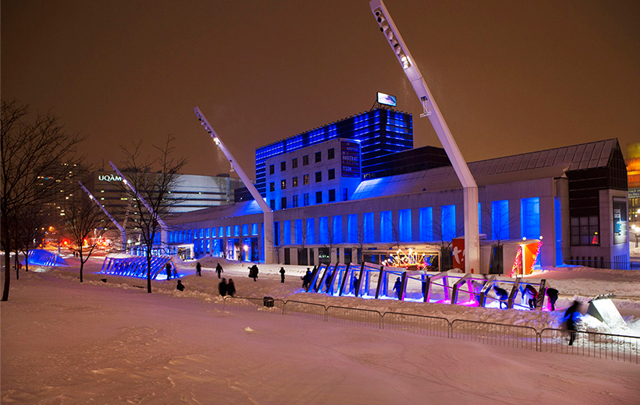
{"x":69,"y":343}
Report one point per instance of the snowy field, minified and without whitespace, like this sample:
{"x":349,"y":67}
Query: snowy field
{"x":64,"y":342}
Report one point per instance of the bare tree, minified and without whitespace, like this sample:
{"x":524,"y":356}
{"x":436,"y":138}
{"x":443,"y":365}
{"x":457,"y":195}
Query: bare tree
{"x":25,"y":226}
{"x":32,"y":153}
{"x":153,"y":178}
{"x":82,"y":219}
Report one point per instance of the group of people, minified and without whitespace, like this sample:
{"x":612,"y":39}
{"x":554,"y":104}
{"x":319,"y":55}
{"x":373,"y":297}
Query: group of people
{"x":227,"y":288}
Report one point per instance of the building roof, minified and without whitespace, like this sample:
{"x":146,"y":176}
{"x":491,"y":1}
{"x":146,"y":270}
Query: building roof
{"x":525,"y":166}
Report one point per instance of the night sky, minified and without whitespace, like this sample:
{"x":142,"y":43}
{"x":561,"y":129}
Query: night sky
{"x":509,"y":76}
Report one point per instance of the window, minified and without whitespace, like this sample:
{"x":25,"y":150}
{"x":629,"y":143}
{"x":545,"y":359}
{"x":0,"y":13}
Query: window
{"x":254,"y":229}
{"x":287,"y":233}
{"x":236,"y":230}
{"x":530,"y":217}
{"x":294,"y":163}
{"x":283,"y":184}
{"x":283,"y":166}
{"x":245,"y":230}
{"x":228,"y":231}
{"x":311,"y":231}
{"x":448,"y":222}
{"x":426,"y":224}
{"x":305,"y":199}
{"x":318,"y":197}
{"x":584,"y":231}
{"x":332,"y":195}
{"x":331,"y":153}
{"x":305,"y":160}
{"x":345,"y":194}
{"x":295,"y":201}
{"x":305,"y":179}
{"x":318,"y":177}
{"x":272,"y":169}
{"x":367,"y":227}
{"x":323,"y":230}
{"x":298,"y":231}
{"x":337,"y":229}
{"x":386,"y":234}
{"x":500,"y":220}
{"x":332,"y":174}
{"x":294,"y":182}
{"x":352,"y":228}
{"x":272,"y":204}
{"x":283,"y":203}
{"x":318,"y":157}
{"x":404,"y":219}
{"x":272,"y":186}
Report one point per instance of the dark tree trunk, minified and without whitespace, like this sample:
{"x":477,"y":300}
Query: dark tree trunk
{"x":81,"y":263}
{"x":17,"y":264}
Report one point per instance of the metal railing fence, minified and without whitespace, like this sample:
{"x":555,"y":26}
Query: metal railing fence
{"x":623,"y":348}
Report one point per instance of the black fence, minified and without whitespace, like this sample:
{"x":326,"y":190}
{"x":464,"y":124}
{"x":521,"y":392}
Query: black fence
{"x":590,"y":344}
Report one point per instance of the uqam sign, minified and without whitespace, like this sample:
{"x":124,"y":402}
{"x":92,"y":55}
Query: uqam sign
{"x":109,"y":177}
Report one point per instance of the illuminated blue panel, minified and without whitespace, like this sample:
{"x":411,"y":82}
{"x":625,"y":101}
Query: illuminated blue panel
{"x":228,"y":231}
{"x":254,"y":229}
{"x":367,"y":227}
{"x":276,"y":233}
{"x":208,"y":245}
{"x":352,"y":228}
{"x":236,"y":230}
{"x":500,"y":220}
{"x":337,"y":229}
{"x":530,"y":217}
{"x":298,"y":231}
{"x":558,"y":231}
{"x":287,"y":232}
{"x":386,"y":227}
{"x":245,"y":230}
{"x":217,"y":250}
{"x":206,"y":232}
{"x":448,"y":218}
{"x":221,"y":232}
{"x":404,"y":217}
{"x":323,"y":230}
{"x":311,"y":231}
{"x":202,"y":232}
{"x":426,"y":224}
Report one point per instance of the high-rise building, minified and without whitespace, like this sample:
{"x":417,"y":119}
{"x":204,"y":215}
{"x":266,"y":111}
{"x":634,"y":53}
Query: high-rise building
{"x":380,"y":132}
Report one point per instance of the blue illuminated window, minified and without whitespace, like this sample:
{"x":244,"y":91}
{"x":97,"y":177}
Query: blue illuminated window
{"x":298,"y":231}
{"x":287,"y":232}
{"x":311,"y":231}
{"x":352,"y":228}
{"x":405,"y":225}
{"x":530,"y":217}
{"x":448,"y":221}
{"x":245,"y":230}
{"x":558,"y":231}
{"x":236,"y":230}
{"x":206,"y":232}
{"x":221,"y":232}
{"x":228,"y":231}
{"x":337,"y":229}
{"x":500,"y":220}
{"x":323,"y":229}
{"x":367,"y":227}
{"x":426,"y":224}
{"x":386,"y":227}
{"x":254,"y":229}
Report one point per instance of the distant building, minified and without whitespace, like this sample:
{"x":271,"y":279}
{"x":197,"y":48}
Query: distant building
{"x":633,"y":176}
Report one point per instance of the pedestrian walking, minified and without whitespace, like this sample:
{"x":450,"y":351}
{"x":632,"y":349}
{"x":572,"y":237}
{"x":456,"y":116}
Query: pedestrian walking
{"x":282,"y":274}
{"x":570,"y":320}
{"x":222,"y":287}
{"x":397,"y":287}
{"x":231,"y":288}
{"x":219,"y":270}
{"x":552,"y":293}
{"x":253,"y":272}
{"x":168,"y":267}
{"x":306,"y":279}
{"x":198,"y":269}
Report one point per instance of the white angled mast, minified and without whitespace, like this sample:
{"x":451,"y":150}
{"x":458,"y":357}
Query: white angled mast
{"x":268,"y":213}
{"x":431,"y":110}
{"x":123,"y":233}
{"x":163,"y":225}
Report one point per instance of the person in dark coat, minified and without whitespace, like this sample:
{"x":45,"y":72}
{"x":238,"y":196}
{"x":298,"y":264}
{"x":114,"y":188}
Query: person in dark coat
{"x":281,"y":274}
{"x":231,"y":288}
{"x":253,"y":272}
{"x":180,"y":286}
{"x":570,"y":320}
{"x":198,"y":269}
{"x":219,"y":270}
{"x":397,"y":287}
{"x":552,"y":293}
{"x":168,"y":271}
{"x":306,"y":279}
{"x":222,"y":287}
{"x":354,"y":284}
{"x":532,"y":295}
{"x":502,"y":295}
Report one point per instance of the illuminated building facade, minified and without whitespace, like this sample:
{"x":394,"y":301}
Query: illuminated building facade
{"x":381,"y":131}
